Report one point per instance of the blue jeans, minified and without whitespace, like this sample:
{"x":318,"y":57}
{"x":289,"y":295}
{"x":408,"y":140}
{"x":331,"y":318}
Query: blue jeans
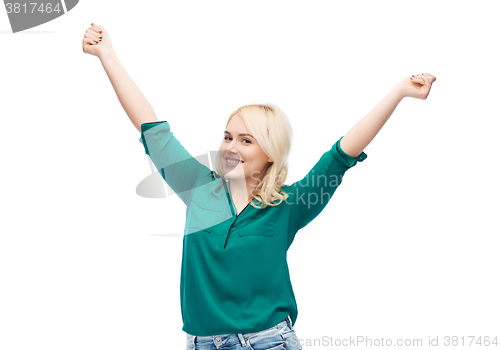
{"x":279,"y":337}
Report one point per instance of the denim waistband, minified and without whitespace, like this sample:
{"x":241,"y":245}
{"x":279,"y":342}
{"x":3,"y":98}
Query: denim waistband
{"x":219,"y":339}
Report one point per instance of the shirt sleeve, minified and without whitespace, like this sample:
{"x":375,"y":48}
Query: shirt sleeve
{"x":181,"y":171}
{"x":314,"y":191}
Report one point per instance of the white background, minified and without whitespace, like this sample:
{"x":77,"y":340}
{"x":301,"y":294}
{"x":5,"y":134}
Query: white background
{"x":407,"y":248}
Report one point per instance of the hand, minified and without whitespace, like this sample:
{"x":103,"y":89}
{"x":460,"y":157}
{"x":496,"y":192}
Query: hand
{"x":418,"y":86}
{"x":93,"y":44}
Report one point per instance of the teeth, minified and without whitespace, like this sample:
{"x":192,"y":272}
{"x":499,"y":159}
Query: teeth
{"x":232,"y":161}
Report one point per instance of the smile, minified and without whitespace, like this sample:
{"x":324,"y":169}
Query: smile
{"x":233,"y":162}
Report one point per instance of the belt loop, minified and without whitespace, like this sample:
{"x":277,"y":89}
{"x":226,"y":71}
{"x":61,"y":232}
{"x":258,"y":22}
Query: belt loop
{"x":242,"y":340}
{"x":289,"y":322}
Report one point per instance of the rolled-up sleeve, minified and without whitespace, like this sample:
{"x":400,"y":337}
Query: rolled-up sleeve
{"x":180,"y":170}
{"x":314,"y":191}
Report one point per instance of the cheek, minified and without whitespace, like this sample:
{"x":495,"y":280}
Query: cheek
{"x":222,"y":151}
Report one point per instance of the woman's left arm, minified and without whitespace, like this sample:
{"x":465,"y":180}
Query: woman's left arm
{"x":361,"y":134}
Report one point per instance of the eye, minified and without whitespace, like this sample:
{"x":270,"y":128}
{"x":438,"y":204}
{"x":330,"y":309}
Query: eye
{"x":228,"y":137}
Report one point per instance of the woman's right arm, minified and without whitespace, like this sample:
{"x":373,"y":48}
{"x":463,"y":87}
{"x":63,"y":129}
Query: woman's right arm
{"x":134,"y":103}
{"x":180,"y":170}
{"x":131,"y":98}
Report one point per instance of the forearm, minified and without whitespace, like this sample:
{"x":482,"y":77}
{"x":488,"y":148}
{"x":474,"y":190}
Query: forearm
{"x":131,"y":98}
{"x":361,"y":134}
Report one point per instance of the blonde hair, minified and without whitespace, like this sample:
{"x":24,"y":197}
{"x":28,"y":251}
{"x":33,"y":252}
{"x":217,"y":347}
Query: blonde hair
{"x":270,"y":126}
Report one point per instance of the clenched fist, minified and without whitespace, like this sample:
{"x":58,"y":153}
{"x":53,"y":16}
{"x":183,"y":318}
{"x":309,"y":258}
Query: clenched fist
{"x":417,"y":86}
{"x":96,"y":41}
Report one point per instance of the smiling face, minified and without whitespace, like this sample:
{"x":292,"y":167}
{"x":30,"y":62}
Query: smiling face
{"x":237,"y":143}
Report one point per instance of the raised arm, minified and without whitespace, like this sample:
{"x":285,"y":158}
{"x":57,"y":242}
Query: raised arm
{"x":180,"y":170}
{"x":361,"y":134}
{"x":311,"y":194}
{"x":131,"y":98}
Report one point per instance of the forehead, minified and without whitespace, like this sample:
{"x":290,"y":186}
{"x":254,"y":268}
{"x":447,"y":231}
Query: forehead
{"x":236,"y":124}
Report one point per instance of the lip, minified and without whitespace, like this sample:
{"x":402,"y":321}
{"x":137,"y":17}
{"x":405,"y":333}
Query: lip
{"x":233,"y":165}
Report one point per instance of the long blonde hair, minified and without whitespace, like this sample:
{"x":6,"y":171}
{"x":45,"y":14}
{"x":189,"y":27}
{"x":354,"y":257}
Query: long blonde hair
{"x":270,"y":126}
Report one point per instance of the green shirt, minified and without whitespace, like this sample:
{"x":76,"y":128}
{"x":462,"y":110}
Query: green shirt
{"x":234,"y":275}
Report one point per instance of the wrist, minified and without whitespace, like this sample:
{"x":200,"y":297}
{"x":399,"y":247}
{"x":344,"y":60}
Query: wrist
{"x":398,"y":91}
{"x":107,"y":55}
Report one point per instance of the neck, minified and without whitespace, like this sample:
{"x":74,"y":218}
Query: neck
{"x":241,"y":190}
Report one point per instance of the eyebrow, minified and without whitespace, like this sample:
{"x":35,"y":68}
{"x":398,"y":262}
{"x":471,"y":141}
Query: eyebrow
{"x":227,"y":132}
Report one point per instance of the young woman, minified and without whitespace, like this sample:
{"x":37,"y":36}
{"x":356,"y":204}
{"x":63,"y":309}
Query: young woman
{"x":241,"y":219}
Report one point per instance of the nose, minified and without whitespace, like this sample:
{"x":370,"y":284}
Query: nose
{"x":232,"y":150}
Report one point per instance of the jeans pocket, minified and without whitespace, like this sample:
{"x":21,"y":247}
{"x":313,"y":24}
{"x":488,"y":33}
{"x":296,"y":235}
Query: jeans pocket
{"x":291,"y":339}
{"x":277,"y":347}
{"x":269,"y":339}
